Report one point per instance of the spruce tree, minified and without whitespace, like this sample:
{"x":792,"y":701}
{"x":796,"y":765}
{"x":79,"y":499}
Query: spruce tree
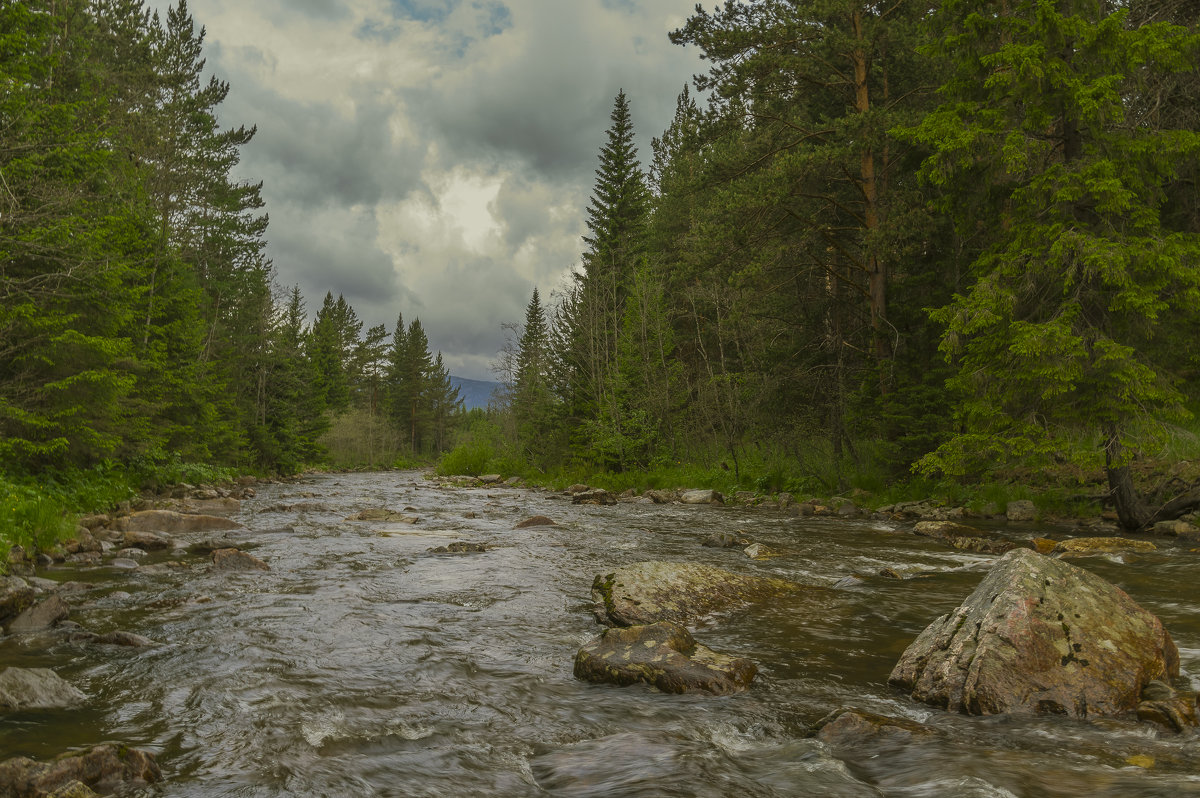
{"x":1039,"y":140}
{"x":616,"y":220}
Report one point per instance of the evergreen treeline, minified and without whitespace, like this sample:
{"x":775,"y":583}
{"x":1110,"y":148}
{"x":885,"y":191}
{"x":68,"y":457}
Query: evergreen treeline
{"x":139,"y":320}
{"x":958,"y":237}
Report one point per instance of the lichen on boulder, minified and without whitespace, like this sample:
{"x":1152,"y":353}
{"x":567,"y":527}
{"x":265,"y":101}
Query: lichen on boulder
{"x":1039,"y":635}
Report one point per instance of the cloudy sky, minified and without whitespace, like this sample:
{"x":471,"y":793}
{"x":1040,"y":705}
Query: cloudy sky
{"x":435,"y":157}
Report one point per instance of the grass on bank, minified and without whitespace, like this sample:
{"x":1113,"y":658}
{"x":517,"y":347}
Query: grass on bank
{"x":1075,"y":486}
{"x":37,"y":512}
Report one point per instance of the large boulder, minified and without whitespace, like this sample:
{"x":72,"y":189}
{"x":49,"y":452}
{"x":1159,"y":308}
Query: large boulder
{"x":36,"y":688}
{"x":646,"y":592}
{"x":172,"y":523}
{"x":103,"y":769}
{"x":665,"y":655}
{"x":1039,"y":635}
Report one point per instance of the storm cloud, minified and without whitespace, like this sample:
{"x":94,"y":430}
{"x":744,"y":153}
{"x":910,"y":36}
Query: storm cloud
{"x":435,"y":158}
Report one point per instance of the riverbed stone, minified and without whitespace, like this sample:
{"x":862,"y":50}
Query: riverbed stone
{"x":1177,"y":528}
{"x":705,"y":496}
{"x":211,"y":544}
{"x":661,"y":496}
{"x":36,"y":688}
{"x":1039,"y":635}
{"x":232,"y":560}
{"x":16,"y":595}
{"x":594,"y":496}
{"x":19,"y":562}
{"x":1162,"y":704}
{"x":664,"y":655}
{"x":120,"y":637}
{"x":223,"y":506}
{"x":170,"y":522}
{"x":962,"y":537}
{"x":537,"y":520}
{"x":459,"y":547}
{"x":1021,"y":511}
{"x":103,"y":769}
{"x":943,"y":529}
{"x":853,"y":726}
{"x":42,"y":615}
{"x":1101,"y":545}
{"x":647,"y":592}
{"x":726,"y":540}
{"x":759,"y":551}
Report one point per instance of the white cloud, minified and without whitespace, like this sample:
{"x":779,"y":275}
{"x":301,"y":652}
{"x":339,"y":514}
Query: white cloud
{"x":435,"y":157}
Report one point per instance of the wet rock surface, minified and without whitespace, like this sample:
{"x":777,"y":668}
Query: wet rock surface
{"x":103,"y":769}
{"x":664,"y":655}
{"x":234,"y":560}
{"x":36,"y":688}
{"x":648,"y":592}
{"x":1039,"y":635}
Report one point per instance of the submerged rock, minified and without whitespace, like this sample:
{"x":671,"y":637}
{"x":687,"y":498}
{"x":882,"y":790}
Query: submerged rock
{"x":537,"y":520}
{"x":664,"y":655}
{"x":383,"y":514}
{"x":459,"y":547}
{"x":725,"y":540}
{"x":103,"y":769}
{"x":36,"y":688}
{"x":647,"y":592}
{"x":851,"y":726}
{"x":236,"y":560}
{"x":1039,"y":635}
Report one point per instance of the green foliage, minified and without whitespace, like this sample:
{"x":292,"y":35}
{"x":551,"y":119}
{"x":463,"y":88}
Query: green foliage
{"x":30,"y":518}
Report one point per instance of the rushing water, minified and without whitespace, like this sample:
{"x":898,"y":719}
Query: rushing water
{"x":362,"y":665}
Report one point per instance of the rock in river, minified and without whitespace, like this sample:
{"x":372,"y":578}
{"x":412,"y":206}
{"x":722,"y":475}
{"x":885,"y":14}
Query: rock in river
{"x":172,"y":522}
{"x":40,"y":616}
{"x":646,"y":592}
{"x":103,"y":769}
{"x":235,"y":560}
{"x":665,"y":655}
{"x":36,"y":688}
{"x":1039,"y":635}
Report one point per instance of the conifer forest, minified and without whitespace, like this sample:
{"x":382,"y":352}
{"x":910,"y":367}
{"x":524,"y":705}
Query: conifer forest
{"x":880,"y":243}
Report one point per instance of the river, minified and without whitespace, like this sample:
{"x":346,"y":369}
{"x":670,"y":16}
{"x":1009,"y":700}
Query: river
{"x":363,"y":665}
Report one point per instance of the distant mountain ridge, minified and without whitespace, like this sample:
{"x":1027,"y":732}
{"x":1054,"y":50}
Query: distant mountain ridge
{"x":474,"y":393}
